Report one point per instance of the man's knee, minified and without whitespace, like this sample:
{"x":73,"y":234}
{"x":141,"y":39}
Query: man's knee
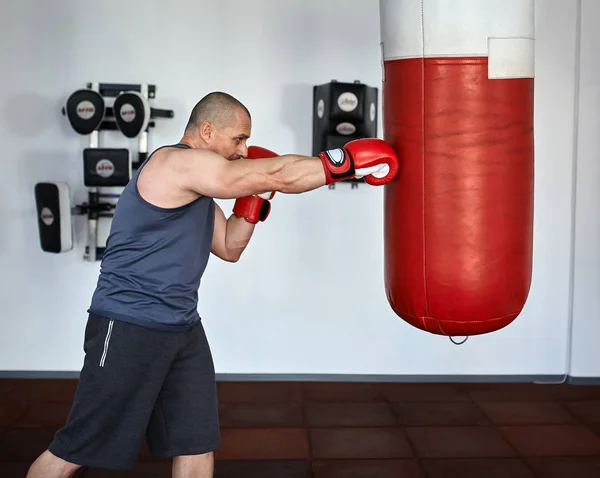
{"x":194,"y":465}
{"x":49,"y":465}
{"x":204,"y":458}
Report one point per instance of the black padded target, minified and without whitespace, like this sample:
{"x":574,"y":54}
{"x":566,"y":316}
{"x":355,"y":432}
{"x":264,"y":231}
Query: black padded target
{"x":85,"y":111}
{"x":106,"y":167}
{"x":132,"y":113}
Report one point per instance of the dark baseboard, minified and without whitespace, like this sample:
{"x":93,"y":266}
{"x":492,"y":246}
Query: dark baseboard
{"x":232,"y":377}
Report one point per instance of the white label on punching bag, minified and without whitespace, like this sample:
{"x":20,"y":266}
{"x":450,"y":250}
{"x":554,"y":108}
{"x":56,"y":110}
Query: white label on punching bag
{"x":511,"y":58}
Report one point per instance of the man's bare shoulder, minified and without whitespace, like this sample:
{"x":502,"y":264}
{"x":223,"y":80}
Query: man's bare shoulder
{"x":178,"y":176}
{"x":160,"y":180}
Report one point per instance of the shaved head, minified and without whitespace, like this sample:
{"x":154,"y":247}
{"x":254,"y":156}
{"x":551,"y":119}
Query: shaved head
{"x":221,"y":123}
{"x":217,"y":108}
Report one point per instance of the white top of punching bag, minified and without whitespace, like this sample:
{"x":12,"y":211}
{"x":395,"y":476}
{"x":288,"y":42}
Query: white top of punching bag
{"x":502,"y":30}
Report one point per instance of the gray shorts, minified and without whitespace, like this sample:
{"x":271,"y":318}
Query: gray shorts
{"x":139,"y":382}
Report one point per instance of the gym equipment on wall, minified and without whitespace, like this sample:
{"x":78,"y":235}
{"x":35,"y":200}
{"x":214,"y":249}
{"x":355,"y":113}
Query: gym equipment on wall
{"x":54,"y":216}
{"x":343,"y":112}
{"x":88,"y":114}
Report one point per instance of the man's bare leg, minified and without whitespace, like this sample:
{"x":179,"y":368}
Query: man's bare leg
{"x":194,"y":466}
{"x":48,"y":465}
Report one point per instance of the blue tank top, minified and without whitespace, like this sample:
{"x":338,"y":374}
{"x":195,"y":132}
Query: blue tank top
{"x":154,"y":260}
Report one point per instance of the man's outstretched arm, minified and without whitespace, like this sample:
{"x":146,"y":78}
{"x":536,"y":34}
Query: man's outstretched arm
{"x":209,"y":174}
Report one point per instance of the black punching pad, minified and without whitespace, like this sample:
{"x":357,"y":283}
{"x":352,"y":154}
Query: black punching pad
{"x":132,"y":113}
{"x":104,"y":167}
{"x":343,"y":112}
{"x":85,"y":111}
{"x":54,"y":216}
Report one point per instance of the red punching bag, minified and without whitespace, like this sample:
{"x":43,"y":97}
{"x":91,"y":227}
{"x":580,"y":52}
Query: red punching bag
{"x":458,"y":109}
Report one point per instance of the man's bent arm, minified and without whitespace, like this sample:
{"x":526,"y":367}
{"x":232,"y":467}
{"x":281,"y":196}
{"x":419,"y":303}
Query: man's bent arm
{"x":231,"y":236}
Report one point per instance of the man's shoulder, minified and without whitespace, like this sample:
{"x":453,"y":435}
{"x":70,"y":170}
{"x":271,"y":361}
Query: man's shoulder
{"x":173,"y":155}
{"x":167,"y":151}
{"x":164,"y":158}
{"x":160,"y":179}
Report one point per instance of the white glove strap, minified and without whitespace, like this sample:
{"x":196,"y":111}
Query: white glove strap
{"x":379,"y":171}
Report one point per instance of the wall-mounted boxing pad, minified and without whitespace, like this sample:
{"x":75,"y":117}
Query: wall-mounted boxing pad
{"x":54,"y":216}
{"x":132,"y":113}
{"x":106,"y":167}
{"x":85,"y":111}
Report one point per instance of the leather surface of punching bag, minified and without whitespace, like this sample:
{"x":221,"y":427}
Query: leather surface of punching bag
{"x":458,"y":109}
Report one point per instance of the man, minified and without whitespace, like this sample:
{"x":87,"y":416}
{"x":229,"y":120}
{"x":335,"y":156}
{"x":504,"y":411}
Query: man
{"x":148,"y":369}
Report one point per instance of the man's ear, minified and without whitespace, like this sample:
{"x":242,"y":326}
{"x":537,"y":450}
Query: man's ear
{"x":206,"y":131}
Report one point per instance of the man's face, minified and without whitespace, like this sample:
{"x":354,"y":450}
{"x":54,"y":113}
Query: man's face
{"x":230,"y":141}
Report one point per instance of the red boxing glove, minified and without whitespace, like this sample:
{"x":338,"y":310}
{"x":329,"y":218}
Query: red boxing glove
{"x":252,"y":208}
{"x":371,"y":158}
{"x":255,"y":208}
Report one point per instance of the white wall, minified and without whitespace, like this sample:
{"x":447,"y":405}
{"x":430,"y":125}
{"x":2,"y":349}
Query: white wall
{"x":586,"y":290}
{"x":297,"y":302}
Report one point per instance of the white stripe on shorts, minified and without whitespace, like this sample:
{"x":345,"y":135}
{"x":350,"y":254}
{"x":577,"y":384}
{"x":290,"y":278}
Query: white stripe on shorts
{"x":106,"y":342}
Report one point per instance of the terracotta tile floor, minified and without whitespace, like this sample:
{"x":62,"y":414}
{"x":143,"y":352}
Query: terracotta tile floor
{"x":354,"y":430}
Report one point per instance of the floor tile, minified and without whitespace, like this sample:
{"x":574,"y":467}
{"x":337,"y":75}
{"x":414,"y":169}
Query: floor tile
{"x":459,"y":442}
{"x":259,"y":391}
{"x":407,"y":468}
{"x":587,"y":411}
{"x":342,"y":392}
{"x":526,"y":413}
{"x":11,"y":409}
{"x":45,"y":415}
{"x":493,"y":392}
{"x":552,"y":440}
{"x":425,"y":392}
{"x":438,"y":413}
{"x":263,"y":444}
{"x":565,"y":467}
{"x":595,"y":427}
{"x":574,"y":392}
{"x":39,"y":390}
{"x":477,"y":468}
{"x":348,"y":414}
{"x":346,"y":443}
{"x":263,"y":469}
{"x":353,"y":430}
{"x":24,"y":444}
{"x":265,"y":415}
